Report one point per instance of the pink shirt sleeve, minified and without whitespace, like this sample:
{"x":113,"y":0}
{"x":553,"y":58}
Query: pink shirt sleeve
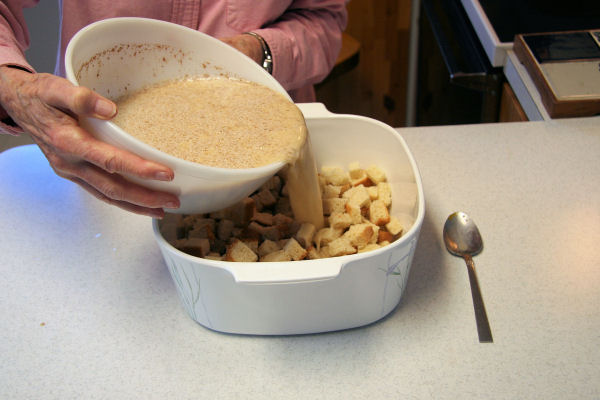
{"x":14,"y":40}
{"x":305,"y":41}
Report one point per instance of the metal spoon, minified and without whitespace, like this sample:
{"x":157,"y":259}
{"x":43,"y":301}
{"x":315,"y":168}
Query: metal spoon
{"x":462,"y":239}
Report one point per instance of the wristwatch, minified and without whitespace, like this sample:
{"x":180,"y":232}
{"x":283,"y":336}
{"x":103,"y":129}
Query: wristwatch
{"x":267,"y":60}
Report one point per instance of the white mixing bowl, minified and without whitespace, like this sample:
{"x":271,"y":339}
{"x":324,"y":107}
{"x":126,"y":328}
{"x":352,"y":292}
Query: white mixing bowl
{"x":308,"y":296}
{"x":120,"y":55}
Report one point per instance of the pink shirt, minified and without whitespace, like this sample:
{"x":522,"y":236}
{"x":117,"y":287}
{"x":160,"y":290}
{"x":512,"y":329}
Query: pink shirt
{"x":304,"y":36}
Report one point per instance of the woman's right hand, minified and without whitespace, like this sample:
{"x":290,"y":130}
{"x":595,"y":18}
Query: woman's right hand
{"x":48,"y":107}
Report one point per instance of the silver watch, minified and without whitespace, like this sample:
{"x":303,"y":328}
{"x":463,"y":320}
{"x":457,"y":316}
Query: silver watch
{"x":267,"y":61}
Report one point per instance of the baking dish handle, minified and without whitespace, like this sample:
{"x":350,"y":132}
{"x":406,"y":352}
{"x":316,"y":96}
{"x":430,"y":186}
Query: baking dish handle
{"x":283,"y":272}
{"x":314,"y":110}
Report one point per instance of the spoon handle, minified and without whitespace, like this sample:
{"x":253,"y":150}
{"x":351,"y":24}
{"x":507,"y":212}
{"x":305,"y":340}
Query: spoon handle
{"x":483,"y":325}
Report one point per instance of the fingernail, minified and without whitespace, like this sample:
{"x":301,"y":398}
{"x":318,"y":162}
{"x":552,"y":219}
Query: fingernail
{"x":163,"y":176}
{"x":105,"y":108}
{"x":171,"y":204}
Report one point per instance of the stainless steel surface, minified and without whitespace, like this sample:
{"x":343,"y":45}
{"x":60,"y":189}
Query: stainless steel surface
{"x":462,"y":238}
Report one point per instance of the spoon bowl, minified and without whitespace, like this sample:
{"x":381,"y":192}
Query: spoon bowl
{"x":462,"y":239}
{"x":461,"y":235}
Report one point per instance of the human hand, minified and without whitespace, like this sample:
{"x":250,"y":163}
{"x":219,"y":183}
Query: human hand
{"x":48,"y":107}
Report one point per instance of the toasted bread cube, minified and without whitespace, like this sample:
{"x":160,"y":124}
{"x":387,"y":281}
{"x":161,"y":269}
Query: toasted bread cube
{"x":241,"y":212}
{"x":331,"y":206}
{"x":305,"y":234}
{"x":239,"y":252}
{"x":294,"y":250}
{"x":340,"y":220}
{"x":373,"y":192}
{"x":225,"y":229}
{"x":252,"y":243}
{"x":354,"y":169}
{"x":369,"y":247}
{"x":394,"y":226}
{"x":265,"y":197}
{"x":385,"y":236}
{"x":268,"y":246}
{"x":263,"y":218}
{"x":214,"y":256}
{"x":279,"y":255}
{"x":331,"y":191}
{"x":376,"y":174}
{"x":341,"y":247}
{"x":378,"y":213}
{"x":359,"y":235}
{"x":217,"y":215}
{"x":324,"y":252}
{"x":383,"y":244}
{"x":274,"y":184}
{"x":312,"y":253}
{"x":384,"y":190}
{"x":375,"y":230}
{"x":171,"y":231}
{"x":283,"y":206}
{"x":326,"y":235}
{"x":335,"y":175}
{"x":358,"y":196}
{"x":202,"y":232}
{"x":197,"y":247}
{"x":355,"y":213}
{"x":267,"y":232}
{"x":358,"y":176}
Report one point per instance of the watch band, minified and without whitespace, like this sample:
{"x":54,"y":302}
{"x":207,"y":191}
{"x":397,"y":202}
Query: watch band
{"x":267,"y":61}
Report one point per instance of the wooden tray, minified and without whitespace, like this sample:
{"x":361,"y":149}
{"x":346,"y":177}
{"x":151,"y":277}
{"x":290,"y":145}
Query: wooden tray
{"x":565,"y":67}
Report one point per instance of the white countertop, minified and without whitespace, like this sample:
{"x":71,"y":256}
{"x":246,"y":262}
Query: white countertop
{"x":89,"y":309}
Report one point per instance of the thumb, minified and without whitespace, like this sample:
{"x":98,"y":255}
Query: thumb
{"x":79,"y":100}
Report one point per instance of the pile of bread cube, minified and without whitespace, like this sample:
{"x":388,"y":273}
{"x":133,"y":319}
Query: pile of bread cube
{"x":356,"y":207}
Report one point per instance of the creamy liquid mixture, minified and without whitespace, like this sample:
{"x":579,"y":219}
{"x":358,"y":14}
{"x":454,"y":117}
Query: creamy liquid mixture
{"x":227,"y":123}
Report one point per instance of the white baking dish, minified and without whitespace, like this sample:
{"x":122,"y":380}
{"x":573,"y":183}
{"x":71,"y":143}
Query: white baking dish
{"x":312,"y":296}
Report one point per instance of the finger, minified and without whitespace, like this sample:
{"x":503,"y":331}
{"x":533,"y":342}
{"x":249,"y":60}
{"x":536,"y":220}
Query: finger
{"x":150,"y":212}
{"x":112,"y":159}
{"x":117,"y":188}
{"x":79,"y":100}
{"x":112,"y":186}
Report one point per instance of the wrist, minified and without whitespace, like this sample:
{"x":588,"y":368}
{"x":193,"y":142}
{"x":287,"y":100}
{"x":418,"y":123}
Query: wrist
{"x":266,"y":60}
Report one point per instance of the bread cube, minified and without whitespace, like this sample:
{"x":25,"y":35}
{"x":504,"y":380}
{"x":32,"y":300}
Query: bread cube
{"x":376,"y":174}
{"x":335,"y":175}
{"x":355,"y":213}
{"x":197,"y":247}
{"x":326,"y":235}
{"x":294,"y":250}
{"x":394,"y":226}
{"x":225,"y":229}
{"x":358,"y":196}
{"x":359,"y":235}
{"x":340,"y":220}
{"x":341,"y":247}
{"x":279,"y":255}
{"x":384,"y":236}
{"x":373,"y":192}
{"x":239,"y":252}
{"x":305,"y":234}
{"x":331,"y":206}
{"x":369,"y":247}
{"x":331,"y":191}
{"x":268,"y":246}
{"x":384,"y":190}
{"x":378,"y":213}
